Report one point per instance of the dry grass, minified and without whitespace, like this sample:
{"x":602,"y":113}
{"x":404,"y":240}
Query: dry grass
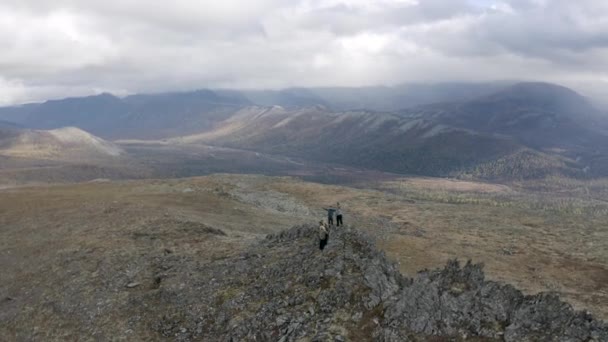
{"x":529,"y":239}
{"x":447,"y":184}
{"x":524,"y":238}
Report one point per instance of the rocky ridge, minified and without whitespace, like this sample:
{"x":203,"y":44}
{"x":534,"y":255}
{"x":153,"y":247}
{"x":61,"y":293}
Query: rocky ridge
{"x":285,"y":289}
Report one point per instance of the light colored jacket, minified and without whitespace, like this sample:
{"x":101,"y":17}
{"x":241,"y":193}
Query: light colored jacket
{"x":338,"y":211}
{"x":322,"y":232}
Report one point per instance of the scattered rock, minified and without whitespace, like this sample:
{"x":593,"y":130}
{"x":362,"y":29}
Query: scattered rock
{"x":419,"y":232}
{"x":351,"y":292}
{"x":270,"y":200}
{"x":283,"y":288}
{"x":172,"y":229}
{"x":508,"y":251}
{"x":282,"y":320}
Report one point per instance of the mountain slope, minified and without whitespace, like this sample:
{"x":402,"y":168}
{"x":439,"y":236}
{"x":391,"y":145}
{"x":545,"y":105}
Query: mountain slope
{"x":154,"y":116}
{"x":351,"y":292}
{"x":524,"y":164}
{"x":138,"y":116}
{"x":173,"y":114}
{"x":68,"y":143}
{"x":543,"y":117}
{"x":281,"y":288}
{"x":538,"y":115}
{"x":8,"y":125}
{"x":285,"y":289}
{"x":91,"y":113}
{"x":371,"y":140}
{"x":291,"y":97}
{"x":380,"y":98}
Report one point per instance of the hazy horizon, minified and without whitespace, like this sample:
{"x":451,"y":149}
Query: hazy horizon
{"x":68,"y":48}
{"x":595,"y":97}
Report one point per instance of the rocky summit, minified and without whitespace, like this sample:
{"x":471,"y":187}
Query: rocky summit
{"x":285,"y":289}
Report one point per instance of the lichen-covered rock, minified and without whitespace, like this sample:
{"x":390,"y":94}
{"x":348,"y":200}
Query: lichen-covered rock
{"x":458,"y":302}
{"x":285,"y":289}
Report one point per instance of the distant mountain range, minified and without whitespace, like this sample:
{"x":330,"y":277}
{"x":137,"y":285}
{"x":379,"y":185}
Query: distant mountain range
{"x":374,"y":98}
{"x":537,"y":114}
{"x":154,"y":116}
{"x":137,"y":116}
{"x":494,"y":131}
{"x":526,"y":130}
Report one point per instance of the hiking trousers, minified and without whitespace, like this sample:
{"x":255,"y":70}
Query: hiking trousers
{"x":339,"y":220}
{"x":322,"y":243}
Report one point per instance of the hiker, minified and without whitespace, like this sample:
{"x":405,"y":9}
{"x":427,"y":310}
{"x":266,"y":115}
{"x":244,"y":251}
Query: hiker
{"x":330,"y":215}
{"x":339,"y":215}
{"x":323,"y":235}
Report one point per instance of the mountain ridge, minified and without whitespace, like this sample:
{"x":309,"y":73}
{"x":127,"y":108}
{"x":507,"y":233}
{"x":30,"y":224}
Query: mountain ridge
{"x":162,"y":115}
{"x":381,"y":141}
{"x":284,"y":288}
{"x":136,"y":116}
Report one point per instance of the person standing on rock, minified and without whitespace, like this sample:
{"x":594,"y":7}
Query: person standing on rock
{"x":330,"y":215}
{"x":323,"y":235}
{"x":339,"y":215}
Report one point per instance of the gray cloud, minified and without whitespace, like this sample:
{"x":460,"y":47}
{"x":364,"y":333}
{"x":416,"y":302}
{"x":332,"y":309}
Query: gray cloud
{"x":70,"y":47}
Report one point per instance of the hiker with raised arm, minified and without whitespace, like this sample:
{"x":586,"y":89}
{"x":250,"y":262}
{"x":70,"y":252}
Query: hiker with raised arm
{"x":330,"y":215}
{"x":323,"y":235}
{"x":339,"y":215}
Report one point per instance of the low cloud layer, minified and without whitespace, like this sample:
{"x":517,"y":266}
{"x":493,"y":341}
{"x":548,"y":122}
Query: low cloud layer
{"x":70,"y":47}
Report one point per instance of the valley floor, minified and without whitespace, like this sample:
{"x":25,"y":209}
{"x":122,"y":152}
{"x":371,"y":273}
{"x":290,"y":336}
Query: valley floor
{"x":66,"y":241}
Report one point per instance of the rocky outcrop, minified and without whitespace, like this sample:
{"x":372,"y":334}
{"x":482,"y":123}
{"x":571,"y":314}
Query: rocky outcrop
{"x":285,"y":289}
{"x":458,"y":302}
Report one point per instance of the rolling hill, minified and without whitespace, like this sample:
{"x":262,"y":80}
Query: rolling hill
{"x":68,"y":143}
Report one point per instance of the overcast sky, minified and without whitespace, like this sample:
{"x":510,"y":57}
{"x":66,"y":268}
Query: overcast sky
{"x":58,"y":48}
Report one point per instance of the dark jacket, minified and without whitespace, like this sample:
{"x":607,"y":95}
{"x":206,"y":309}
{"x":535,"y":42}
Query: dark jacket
{"x":330,"y":211}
